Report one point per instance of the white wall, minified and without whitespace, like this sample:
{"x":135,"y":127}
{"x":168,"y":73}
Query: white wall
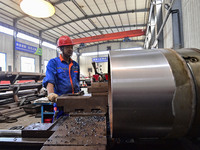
{"x":47,"y":54}
{"x":191,"y":23}
{"x":6,"y":46}
{"x":168,"y":30}
{"x":114,"y":46}
{"x":74,"y":57}
{"x":85,"y":63}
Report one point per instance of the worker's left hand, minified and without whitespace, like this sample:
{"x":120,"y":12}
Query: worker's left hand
{"x":52,"y":97}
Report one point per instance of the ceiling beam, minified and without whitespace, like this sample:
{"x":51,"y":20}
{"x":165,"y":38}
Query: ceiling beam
{"x":106,"y":42}
{"x":99,"y":15}
{"x":110,"y":36}
{"x":84,"y":13}
{"x":115,"y":27}
{"x":22,"y":17}
{"x":59,"y":2}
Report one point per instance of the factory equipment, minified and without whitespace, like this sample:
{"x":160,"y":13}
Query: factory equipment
{"x":99,"y":77}
{"x":155,"y":93}
{"x":151,"y":94}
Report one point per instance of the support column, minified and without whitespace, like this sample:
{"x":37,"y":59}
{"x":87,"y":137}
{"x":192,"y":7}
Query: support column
{"x":159,"y":23}
{"x":98,"y":56}
{"x":177,"y":24}
{"x":15,"y":31}
{"x":57,"y":53}
{"x":40,"y":57}
{"x":78,"y":56}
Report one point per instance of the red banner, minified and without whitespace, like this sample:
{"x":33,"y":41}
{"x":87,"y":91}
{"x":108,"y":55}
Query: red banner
{"x":111,"y":36}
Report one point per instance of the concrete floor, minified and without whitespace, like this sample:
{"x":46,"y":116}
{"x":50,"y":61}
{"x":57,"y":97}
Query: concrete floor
{"x":22,"y":121}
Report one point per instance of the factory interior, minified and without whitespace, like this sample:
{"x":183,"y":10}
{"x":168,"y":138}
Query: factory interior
{"x":99,"y":75}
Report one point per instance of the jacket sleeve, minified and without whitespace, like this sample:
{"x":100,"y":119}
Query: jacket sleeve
{"x":50,"y":73}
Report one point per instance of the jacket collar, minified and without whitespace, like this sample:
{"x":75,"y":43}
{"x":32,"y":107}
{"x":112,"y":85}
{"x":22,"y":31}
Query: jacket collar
{"x":61,"y":59}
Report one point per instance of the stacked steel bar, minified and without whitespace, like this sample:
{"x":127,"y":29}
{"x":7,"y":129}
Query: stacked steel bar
{"x":21,"y":93}
{"x":13,"y":76}
{"x":19,"y":90}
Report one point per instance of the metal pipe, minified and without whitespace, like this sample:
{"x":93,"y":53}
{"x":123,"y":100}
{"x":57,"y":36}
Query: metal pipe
{"x":25,"y":86}
{"x":7,"y":76}
{"x":6,"y":101}
{"x":20,"y":93}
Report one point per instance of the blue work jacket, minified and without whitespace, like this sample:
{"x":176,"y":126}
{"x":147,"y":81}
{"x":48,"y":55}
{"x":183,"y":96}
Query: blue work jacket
{"x":65,"y":76}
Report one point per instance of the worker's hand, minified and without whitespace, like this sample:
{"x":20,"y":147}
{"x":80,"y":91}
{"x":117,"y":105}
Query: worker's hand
{"x":52,"y":97}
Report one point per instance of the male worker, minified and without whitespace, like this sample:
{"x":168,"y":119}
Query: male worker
{"x":62,"y":73}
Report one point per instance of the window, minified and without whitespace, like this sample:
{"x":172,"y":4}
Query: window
{"x":27,"y":64}
{"x":45,"y":65}
{"x":27,"y":37}
{"x":6,"y":30}
{"x":49,"y":45}
{"x":3,"y":61}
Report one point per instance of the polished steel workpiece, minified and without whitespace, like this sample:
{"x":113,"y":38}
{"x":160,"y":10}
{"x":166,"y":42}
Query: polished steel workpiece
{"x":152,"y":94}
{"x":10,"y":133}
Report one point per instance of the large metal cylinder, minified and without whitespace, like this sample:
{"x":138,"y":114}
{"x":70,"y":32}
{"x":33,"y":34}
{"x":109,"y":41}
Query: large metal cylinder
{"x":154,"y":93}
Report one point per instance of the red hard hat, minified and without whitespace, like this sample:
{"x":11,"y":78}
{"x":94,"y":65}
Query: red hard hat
{"x":64,"y":40}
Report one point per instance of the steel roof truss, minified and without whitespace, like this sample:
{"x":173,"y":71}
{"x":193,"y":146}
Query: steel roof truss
{"x":93,"y":16}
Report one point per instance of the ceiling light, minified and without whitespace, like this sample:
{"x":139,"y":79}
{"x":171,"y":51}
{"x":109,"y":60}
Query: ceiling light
{"x":37,"y":8}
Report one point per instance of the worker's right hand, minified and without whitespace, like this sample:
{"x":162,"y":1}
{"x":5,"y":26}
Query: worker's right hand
{"x":52,"y":97}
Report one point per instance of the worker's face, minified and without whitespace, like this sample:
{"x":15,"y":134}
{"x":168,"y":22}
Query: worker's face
{"x":68,"y":50}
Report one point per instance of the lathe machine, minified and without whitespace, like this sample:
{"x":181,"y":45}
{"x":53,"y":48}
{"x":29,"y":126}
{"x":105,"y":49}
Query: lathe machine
{"x":151,"y":95}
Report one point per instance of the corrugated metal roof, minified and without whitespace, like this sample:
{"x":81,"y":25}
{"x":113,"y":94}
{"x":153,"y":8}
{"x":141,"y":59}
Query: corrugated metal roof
{"x":80,"y":18}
